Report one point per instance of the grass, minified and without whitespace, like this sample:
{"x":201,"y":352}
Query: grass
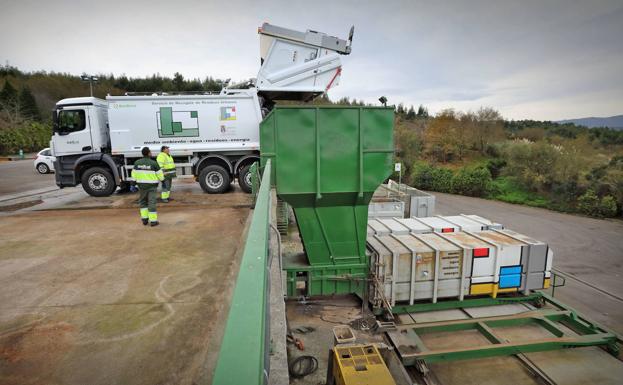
{"x":507,"y":189}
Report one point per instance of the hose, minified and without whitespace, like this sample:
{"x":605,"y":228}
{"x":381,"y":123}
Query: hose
{"x":302,"y":366}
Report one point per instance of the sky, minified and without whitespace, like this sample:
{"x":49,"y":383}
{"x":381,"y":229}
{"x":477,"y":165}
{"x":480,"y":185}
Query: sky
{"x":529,"y":59}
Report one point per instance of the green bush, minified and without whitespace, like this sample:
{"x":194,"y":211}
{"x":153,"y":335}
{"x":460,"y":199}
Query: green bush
{"x":475,"y":182}
{"x":28,"y":136}
{"x":495,"y":166}
{"x":590,"y":204}
{"x":608,"y":207}
{"x":427,"y":177}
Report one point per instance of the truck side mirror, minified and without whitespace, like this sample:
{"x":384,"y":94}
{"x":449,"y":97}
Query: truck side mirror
{"x":54,"y":121}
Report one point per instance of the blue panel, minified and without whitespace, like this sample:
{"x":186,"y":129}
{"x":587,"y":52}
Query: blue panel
{"x":506,"y":270}
{"x":507,"y":281}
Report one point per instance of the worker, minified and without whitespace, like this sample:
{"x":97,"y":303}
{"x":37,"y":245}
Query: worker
{"x":147,"y":175}
{"x":166,"y":163}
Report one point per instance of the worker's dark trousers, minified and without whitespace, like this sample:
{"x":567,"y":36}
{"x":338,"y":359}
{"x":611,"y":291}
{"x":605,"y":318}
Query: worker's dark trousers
{"x":147,"y":202}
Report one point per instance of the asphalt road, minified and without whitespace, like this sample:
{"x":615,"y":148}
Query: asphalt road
{"x":588,"y":251}
{"x":20,"y":176}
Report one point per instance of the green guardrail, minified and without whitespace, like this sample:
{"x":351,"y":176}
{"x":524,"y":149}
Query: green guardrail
{"x":243,"y":358}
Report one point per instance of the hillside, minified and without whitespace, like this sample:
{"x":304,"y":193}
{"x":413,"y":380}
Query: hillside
{"x":614,"y":122}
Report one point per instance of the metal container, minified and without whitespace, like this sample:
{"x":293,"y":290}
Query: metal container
{"x":465,"y":223}
{"x":413,"y":267}
{"x":328,"y":162}
{"x":410,"y":267}
{"x":438,"y":224}
{"x":386,"y":208}
{"x":489,"y":225}
{"x":418,"y":203}
{"x":523,"y":264}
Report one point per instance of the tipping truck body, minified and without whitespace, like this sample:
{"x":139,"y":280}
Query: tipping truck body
{"x":213,"y":137}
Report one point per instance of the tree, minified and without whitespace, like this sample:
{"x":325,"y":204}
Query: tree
{"x":489,"y":128}
{"x":411,"y":113}
{"x":28,"y":105}
{"x":442,"y":136}
{"x":8,"y":95}
{"x":9,"y":106}
{"x":400,"y":109}
{"x":422,"y":112}
{"x":178,"y":82}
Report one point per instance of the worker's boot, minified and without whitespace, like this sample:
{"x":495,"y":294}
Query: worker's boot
{"x":154,"y":223}
{"x":145,"y":221}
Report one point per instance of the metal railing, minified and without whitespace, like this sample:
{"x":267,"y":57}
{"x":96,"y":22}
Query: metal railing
{"x":243,"y":358}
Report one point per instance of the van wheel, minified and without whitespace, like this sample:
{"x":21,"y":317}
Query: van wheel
{"x":244,"y":179}
{"x":214,"y":179}
{"x":98,"y":182}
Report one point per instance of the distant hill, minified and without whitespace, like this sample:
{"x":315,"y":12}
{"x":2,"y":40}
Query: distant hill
{"x":615,"y":122}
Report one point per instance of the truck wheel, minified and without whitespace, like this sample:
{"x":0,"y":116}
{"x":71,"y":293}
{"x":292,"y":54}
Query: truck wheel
{"x":244,"y":179}
{"x":214,"y":179}
{"x":98,"y":182}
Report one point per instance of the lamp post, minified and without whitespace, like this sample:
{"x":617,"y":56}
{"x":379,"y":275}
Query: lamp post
{"x":91,"y":79}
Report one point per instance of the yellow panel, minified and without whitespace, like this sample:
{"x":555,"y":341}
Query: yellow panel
{"x":481,"y":288}
{"x":546,"y":283}
{"x":507,"y":290}
{"x":360,"y":365}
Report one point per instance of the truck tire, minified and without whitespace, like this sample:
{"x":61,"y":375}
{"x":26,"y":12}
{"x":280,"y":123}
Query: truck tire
{"x":98,"y":182}
{"x":244,"y":179}
{"x":214,"y":179}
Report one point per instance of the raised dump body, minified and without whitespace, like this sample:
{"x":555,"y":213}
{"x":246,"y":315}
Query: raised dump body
{"x":522,"y":265}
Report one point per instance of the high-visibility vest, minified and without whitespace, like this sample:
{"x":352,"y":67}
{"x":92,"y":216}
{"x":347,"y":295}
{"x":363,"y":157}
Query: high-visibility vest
{"x":146,"y":171}
{"x":165,"y":161}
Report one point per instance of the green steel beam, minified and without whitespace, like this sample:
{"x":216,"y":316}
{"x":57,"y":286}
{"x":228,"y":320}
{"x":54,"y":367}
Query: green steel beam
{"x":507,"y":349}
{"x":472,"y":302}
{"x":242,"y":358}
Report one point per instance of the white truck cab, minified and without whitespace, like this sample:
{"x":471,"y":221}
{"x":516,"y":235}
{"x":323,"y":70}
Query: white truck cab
{"x":212,"y":137}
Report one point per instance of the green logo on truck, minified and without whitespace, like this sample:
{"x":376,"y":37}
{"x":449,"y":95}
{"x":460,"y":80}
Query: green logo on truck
{"x":177,"y":123}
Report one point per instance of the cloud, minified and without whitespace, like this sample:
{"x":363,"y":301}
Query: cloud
{"x":529,"y":59}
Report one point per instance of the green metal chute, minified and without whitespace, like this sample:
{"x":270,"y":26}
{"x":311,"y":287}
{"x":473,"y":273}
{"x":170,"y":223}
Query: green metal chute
{"x":328,"y":160}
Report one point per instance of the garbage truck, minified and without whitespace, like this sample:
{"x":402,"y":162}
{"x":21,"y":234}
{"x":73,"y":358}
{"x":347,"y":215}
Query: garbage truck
{"x":213,"y":137}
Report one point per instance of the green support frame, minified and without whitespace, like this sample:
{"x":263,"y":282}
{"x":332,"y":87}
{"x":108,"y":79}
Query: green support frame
{"x":243,"y":357}
{"x":536,"y":297}
{"x":326,"y":280}
{"x":566,"y":327}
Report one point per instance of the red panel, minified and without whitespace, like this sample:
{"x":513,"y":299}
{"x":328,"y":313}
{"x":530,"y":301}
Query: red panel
{"x":484,"y":252}
{"x":447,"y":230}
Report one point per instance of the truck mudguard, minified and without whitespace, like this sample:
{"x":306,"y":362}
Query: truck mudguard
{"x":212,"y":156}
{"x":100,"y":157}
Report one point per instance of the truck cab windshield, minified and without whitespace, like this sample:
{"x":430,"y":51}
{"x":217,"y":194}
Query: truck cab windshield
{"x":70,"y":121}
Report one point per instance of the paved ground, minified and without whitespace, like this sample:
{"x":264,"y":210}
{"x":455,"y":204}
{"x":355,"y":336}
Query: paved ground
{"x":19,"y":176}
{"x":588,"y":249}
{"x":90,"y":296}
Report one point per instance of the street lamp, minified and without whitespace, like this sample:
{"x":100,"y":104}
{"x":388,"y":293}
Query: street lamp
{"x":91,"y":79}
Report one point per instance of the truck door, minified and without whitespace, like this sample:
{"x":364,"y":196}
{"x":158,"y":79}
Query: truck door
{"x":72,"y":131}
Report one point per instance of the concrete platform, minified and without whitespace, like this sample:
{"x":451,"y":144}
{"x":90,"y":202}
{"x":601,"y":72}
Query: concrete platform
{"x":91,"y":296}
